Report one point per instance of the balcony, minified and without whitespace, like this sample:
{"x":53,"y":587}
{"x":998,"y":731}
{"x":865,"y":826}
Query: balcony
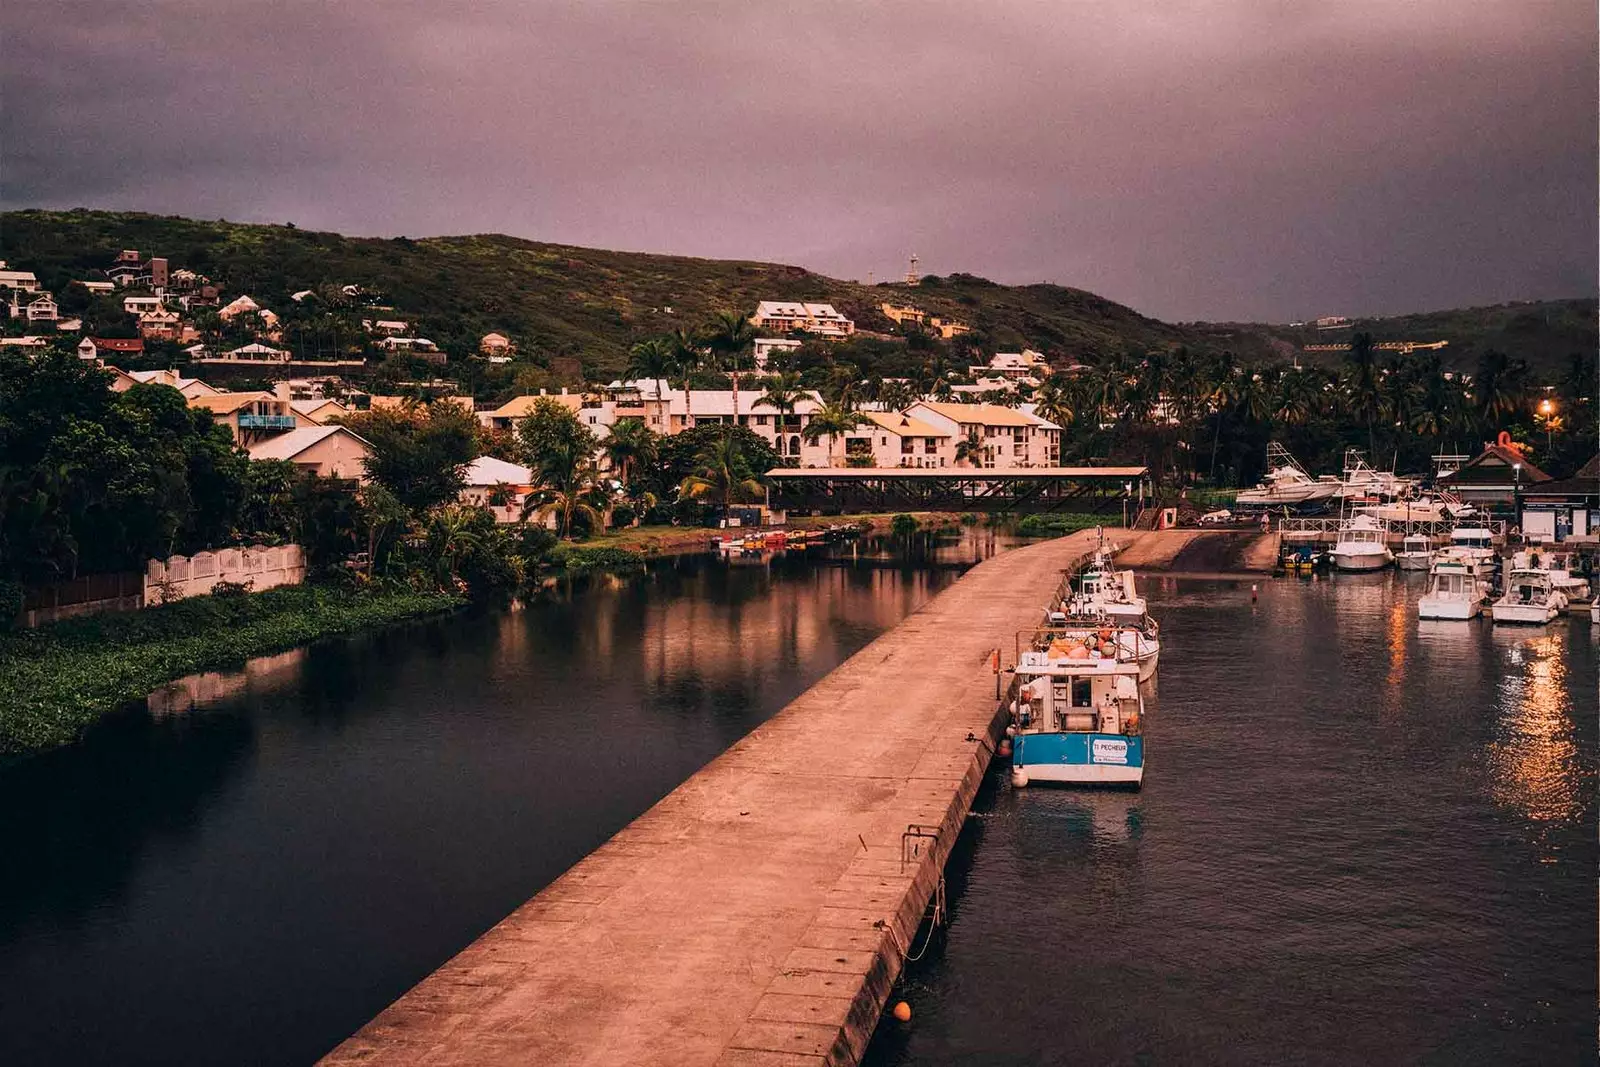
{"x":266,"y":422}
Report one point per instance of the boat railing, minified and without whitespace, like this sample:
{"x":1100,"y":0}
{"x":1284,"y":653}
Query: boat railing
{"x":1041,"y":638}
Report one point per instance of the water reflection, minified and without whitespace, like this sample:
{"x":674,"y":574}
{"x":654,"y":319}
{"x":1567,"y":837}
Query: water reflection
{"x":250,"y":864}
{"x":1533,"y":757}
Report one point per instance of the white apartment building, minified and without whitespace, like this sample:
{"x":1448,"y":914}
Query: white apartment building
{"x":893,"y":439}
{"x":766,"y":347}
{"x":785,"y":316}
{"x":1006,"y":438}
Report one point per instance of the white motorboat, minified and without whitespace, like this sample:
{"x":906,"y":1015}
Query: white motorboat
{"x":1560,"y":566}
{"x":1416,"y":553}
{"x":1106,"y":591}
{"x":1287,"y":483}
{"x":1361,"y":545}
{"x":1457,"y":589}
{"x":1361,"y":479}
{"x":1476,"y":542}
{"x":1530,"y":597}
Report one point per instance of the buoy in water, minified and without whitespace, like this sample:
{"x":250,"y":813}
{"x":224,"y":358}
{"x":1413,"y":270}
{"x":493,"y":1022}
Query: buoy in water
{"x":1019,"y":777}
{"x":1005,"y":748}
{"x":902,"y":1011}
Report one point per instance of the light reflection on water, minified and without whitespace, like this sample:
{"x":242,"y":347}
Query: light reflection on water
{"x":1533,"y":758}
{"x":1362,"y":838}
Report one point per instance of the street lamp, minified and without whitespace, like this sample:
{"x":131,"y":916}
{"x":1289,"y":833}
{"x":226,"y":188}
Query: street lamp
{"x":1127,"y":489}
{"x":1516,"y":495}
{"x":1547,"y":412}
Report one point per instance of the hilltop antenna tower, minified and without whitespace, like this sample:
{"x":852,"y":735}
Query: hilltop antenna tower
{"x":912,"y":277}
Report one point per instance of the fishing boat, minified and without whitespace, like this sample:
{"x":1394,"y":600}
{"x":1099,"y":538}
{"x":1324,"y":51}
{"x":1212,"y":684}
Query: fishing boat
{"x":1530,"y":597}
{"x":1105,"y":591}
{"x":1288,"y":484}
{"x":1416,"y":553}
{"x":1361,"y":545}
{"x":1457,"y":589}
{"x":1078,"y":717}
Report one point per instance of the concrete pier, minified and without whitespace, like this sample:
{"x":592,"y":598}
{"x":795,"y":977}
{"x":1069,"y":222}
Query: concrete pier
{"x":760,"y":913}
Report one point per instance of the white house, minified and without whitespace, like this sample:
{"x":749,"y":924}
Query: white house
{"x":139,"y":305}
{"x":785,"y":316}
{"x":327,"y":451}
{"x":255,"y":352}
{"x":894,"y":439}
{"x":390,"y":327}
{"x":18,"y":279}
{"x":29,"y":343}
{"x":999,"y":437}
{"x":417,"y":345}
{"x":766,"y":347}
{"x":42,"y":308}
{"x":1024,"y":364}
{"x":489,"y":480}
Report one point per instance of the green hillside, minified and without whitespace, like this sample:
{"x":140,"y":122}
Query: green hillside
{"x":584,"y":307}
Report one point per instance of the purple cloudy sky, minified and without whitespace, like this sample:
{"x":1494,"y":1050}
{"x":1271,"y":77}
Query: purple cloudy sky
{"x":1201,"y":159}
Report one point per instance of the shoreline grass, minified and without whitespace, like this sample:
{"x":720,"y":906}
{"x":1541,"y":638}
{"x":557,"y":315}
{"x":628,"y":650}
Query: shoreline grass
{"x":57,"y":680}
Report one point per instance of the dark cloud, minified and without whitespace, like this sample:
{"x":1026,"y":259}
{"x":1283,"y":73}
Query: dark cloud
{"x":1195,"y":160}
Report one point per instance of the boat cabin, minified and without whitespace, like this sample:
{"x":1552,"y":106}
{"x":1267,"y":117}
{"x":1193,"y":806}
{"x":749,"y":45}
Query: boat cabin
{"x":1528,"y":586}
{"x":1059,"y":695}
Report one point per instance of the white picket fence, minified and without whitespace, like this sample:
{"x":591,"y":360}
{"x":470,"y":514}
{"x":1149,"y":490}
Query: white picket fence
{"x":258,"y":566}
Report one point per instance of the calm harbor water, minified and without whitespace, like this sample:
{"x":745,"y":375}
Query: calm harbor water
{"x":1362,"y":840}
{"x":252,"y":867}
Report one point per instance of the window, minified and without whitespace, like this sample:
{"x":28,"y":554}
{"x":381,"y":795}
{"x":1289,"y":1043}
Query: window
{"x":908,"y":445}
{"x":761,"y":420}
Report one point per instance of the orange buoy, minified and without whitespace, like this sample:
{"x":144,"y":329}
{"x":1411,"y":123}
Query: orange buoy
{"x":1005,"y":748}
{"x":902,"y":1011}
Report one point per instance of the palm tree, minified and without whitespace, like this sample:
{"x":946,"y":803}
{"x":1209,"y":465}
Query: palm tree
{"x":1222,"y":394}
{"x":831,"y":421}
{"x":728,"y":337}
{"x":1500,"y":386}
{"x":721,"y":473}
{"x":1297,"y":397}
{"x":566,"y":485}
{"x":1055,"y":402}
{"x":688,"y":355}
{"x":783,"y":394}
{"x":1361,"y":386}
{"x":629,"y":445}
{"x":652,"y":359}
{"x":450,"y":537}
{"x":970,"y":448}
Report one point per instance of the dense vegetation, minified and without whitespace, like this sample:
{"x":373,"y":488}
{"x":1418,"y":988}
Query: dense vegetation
{"x":1207,"y":418}
{"x":56,"y":680}
{"x":575,"y":312}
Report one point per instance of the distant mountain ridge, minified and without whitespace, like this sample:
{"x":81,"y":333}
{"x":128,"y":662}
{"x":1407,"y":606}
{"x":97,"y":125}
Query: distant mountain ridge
{"x":591,"y":304}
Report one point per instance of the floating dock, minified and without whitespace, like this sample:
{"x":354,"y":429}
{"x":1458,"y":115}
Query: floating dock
{"x":761,"y":912}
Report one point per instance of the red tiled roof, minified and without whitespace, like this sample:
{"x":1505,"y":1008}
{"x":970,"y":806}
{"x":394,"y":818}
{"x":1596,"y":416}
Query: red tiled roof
{"x":118,"y":344}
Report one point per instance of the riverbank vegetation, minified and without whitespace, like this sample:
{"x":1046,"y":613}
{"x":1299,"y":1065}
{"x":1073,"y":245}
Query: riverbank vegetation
{"x":58,"y":679}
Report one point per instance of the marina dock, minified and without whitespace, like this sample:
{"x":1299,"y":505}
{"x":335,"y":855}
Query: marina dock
{"x":760,"y":913}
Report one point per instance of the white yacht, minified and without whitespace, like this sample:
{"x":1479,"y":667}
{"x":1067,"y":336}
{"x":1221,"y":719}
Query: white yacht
{"x":1361,"y":545}
{"x":1361,"y":479}
{"x":1560,"y":566}
{"x":1457,"y":589}
{"x":1416,"y":553}
{"x":1530,"y":597}
{"x":1476,"y":542}
{"x":1287,"y":483}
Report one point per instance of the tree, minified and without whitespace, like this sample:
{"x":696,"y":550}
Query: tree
{"x":419,"y":452}
{"x":560,"y":450}
{"x":688,"y":355}
{"x":652,"y":359}
{"x":722,"y":473}
{"x":830,"y":421}
{"x":1361,"y":387}
{"x":629,"y":446}
{"x":729,"y":337}
{"x":783,"y":395}
{"x":1501,"y":385}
